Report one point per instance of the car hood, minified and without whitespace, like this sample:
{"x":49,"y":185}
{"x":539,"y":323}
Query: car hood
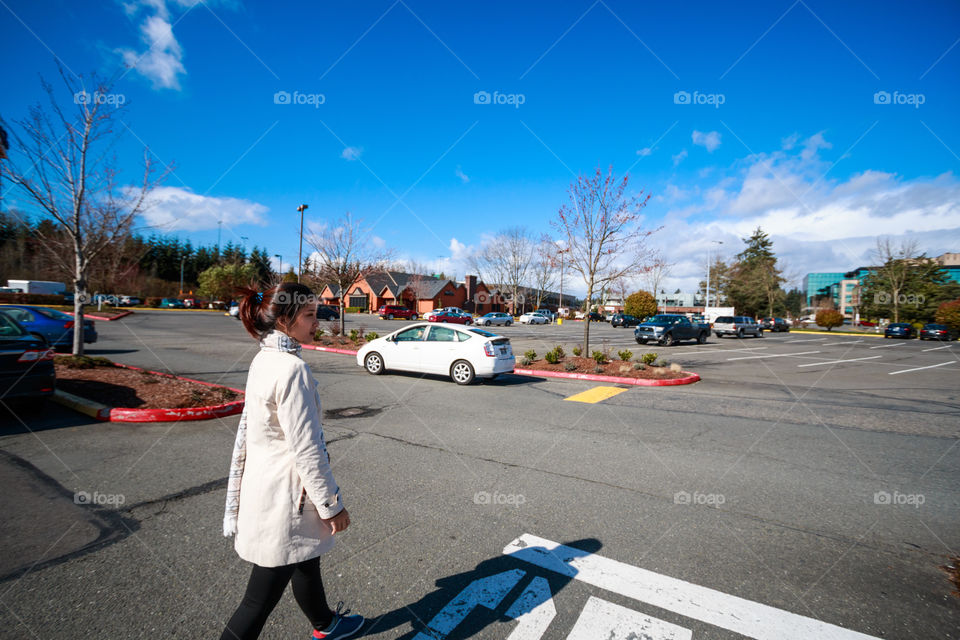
{"x":661,"y":325}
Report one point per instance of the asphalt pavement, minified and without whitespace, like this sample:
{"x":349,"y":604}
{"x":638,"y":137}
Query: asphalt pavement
{"x":808,"y":486}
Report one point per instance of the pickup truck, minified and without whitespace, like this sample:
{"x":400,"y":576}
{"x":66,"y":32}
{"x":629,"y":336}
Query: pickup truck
{"x":669,"y":329}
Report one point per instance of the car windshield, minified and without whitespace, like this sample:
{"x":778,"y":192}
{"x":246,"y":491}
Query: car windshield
{"x":53,"y":314}
{"x":481,"y":332}
{"x":8,"y":327}
{"x":899,"y":325}
{"x":939,"y":327}
{"x":663,"y":319}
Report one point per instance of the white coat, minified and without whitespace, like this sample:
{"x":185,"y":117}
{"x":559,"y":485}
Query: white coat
{"x":287,"y":484}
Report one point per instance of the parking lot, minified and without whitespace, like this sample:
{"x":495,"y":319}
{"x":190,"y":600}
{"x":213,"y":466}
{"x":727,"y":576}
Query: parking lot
{"x":806,"y":487}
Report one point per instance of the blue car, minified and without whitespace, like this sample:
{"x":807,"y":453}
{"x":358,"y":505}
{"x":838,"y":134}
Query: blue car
{"x":899,"y":330}
{"x":55,"y":327}
{"x":26,"y":363}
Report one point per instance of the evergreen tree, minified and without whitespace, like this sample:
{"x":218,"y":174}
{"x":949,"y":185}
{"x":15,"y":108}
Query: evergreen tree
{"x":755,"y":280}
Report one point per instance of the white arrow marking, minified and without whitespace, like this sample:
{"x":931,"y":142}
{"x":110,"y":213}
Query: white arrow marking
{"x":602,"y":619}
{"x":534,"y":611}
{"x":487,"y":592}
{"x":748,"y":618}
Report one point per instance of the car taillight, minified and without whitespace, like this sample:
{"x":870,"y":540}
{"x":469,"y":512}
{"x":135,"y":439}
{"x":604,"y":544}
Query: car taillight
{"x":488,"y":349}
{"x":68,"y":324}
{"x":35,"y":356}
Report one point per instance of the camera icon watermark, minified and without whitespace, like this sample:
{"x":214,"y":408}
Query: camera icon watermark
{"x":885,"y":97}
{"x":713,"y":99}
{"x":496,"y":498}
{"x":99,"y":499}
{"x":697,"y":498}
{"x":485,"y":97}
{"x":85,"y":97}
{"x":903,"y":299}
{"x":897,"y":498}
{"x":285,"y":97}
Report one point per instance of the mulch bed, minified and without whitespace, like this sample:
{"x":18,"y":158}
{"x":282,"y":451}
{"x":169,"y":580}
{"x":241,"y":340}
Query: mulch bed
{"x":617,"y":368}
{"x":119,"y":387}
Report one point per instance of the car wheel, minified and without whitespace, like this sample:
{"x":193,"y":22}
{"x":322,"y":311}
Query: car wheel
{"x":389,"y":316}
{"x":740,"y":334}
{"x":413,"y":317}
{"x":702,"y":338}
{"x":373,"y":363}
{"x":639,"y":341}
{"x":670,"y":340}
{"x":462,"y":372}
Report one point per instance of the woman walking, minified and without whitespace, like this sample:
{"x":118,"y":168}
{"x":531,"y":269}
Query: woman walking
{"x":283,"y":504}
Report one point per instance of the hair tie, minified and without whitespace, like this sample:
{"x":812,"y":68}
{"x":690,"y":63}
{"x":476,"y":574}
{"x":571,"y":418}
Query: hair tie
{"x":259,"y":296}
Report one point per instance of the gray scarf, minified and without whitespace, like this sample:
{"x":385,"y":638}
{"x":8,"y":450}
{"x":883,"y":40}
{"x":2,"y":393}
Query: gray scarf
{"x":273,"y":341}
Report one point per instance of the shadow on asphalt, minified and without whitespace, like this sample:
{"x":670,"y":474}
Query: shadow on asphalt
{"x":26,"y":416}
{"x":502,"y":379}
{"x":452,"y":611}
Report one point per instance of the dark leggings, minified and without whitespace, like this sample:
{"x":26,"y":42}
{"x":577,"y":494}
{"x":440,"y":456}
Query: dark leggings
{"x":263,"y":593}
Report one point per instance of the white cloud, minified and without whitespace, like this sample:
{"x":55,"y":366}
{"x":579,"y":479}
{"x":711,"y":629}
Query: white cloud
{"x":643,"y":153}
{"x":351,"y":153}
{"x":677,"y":159}
{"x":378,"y":242}
{"x":709,"y":141}
{"x":813,"y":144}
{"x":176,"y":209}
{"x":460,"y":174}
{"x":458,"y":250}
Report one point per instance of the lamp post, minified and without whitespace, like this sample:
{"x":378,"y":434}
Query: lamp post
{"x":181,"y":274}
{"x":280,"y":264}
{"x":707,"y":303}
{"x":301,"y":209}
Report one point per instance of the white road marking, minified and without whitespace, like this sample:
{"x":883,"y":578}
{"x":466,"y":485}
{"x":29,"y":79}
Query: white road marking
{"x":774,"y":355}
{"x":533,"y":610}
{"x":487,"y":591}
{"x":827,"y":344}
{"x":751,"y":619}
{"x":805,"y":340}
{"x":602,"y":619}
{"x":884,"y":346}
{"x":689,"y":353}
{"x":933,"y":366}
{"x":946,"y":346}
{"x":814,"y":364}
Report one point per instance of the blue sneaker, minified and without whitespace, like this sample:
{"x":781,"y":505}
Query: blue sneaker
{"x":342,"y":625}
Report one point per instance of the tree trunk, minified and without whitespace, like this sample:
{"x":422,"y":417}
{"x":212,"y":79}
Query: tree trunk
{"x":343,"y":312}
{"x":586,"y":323}
{"x":79,"y":296}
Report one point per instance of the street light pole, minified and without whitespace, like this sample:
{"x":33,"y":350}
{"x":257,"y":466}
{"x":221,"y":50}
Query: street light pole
{"x":181,"y":274}
{"x":280,"y":265}
{"x":301,"y":209}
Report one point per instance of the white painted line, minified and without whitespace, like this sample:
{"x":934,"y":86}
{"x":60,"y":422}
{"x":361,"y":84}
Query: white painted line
{"x":946,"y":346}
{"x":690,"y":353}
{"x":751,"y":619}
{"x":933,"y":366}
{"x":533,"y":610}
{"x":805,"y":340}
{"x":885,"y":346}
{"x":774,"y":355}
{"x":602,"y":619}
{"x":814,"y":364}
{"x":827,"y":344}
{"x":487,"y":592}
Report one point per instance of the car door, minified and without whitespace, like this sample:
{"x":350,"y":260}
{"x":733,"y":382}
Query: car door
{"x":403,"y":352}
{"x":439,"y":350}
{"x":29,"y":321}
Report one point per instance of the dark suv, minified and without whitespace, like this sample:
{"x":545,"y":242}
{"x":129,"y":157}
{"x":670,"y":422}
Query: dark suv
{"x":327,"y":312}
{"x":774,"y":324}
{"x":624,"y":320}
{"x":390,"y":311}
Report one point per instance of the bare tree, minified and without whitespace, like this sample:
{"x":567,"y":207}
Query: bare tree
{"x":601,"y":227}
{"x":894,"y":263}
{"x":506,"y":259}
{"x":345,"y":254}
{"x":656,"y":271}
{"x":543,"y":268}
{"x":61,"y":163}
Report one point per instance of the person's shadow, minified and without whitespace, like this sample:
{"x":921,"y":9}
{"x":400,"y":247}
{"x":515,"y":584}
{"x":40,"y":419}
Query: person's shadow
{"x":496,"y":590}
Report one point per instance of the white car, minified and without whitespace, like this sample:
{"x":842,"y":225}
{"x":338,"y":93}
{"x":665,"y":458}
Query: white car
{"x":463,"y":353}
{"x":533,"y":318}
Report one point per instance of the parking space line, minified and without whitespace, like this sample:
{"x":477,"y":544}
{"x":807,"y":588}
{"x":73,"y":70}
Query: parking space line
{"x":933,"y":366}
{"x":946,"y":346}
{"x":687,"y":353}
{"x":774,"y":355}
{"x":827,"y":344}
{"x":596,"y":394}
{"x":884,"y":346}
{"x":805,"y":340}
{"x":813,"y":364}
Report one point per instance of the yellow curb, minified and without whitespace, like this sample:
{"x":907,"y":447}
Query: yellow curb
{"x":837,"y":333}
{"x":597,"y":394}
{"x":84,"y":406}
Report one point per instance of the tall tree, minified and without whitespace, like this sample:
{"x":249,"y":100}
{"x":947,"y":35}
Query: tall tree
{"x":755,"y":278}
{"x":506,"y":259}
{"x":887,"y":284}
{"x":601,"y":225}
{"x":61,"y":164}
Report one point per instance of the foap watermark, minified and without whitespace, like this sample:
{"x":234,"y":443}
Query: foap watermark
{"x":285,"y":97}
{"x":496,"y":498}
{"x":913,"y":99}
{"x":710,"y":499}
{"x":485,"y":97}
{"x":99,"y":499}
{"x":498,"y":298}
{"x":897,"y":498}
{"x":903,"y":299}
{"x":85,"y":97}
{"x":712,"y":99}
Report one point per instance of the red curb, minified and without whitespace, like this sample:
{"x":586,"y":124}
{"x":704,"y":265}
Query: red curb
{"x":105,"y":318}
{"x":348,"y":352}
{"x":640,"y":382}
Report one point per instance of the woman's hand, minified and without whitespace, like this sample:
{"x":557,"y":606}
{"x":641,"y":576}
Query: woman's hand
{"x":339,"y":522}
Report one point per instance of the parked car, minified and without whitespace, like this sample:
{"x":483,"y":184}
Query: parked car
{"x":172,"y":303}
{"x":593,"y":316}
{"x":52,"y":326}
{"x":327,"y":312}
{"x":549,"y":315}
{"x":495,"y":317}
{"x":774,"y":324}
{"x":867,"y":323}
{"x":129,"y":301}
{"x":533,"y":318}
{"x":942,"y":332}
{"x":669,"y":329}
{"x":26,"y":362}
{"x":463,"y":354}
{"x":624,"y":320}
{"x":738,"y":326}
{"x":899,"y":330}
{"x":389,"y":312}
{"x":450,"y":316}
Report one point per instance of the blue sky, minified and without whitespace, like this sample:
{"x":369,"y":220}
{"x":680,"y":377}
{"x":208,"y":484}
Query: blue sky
{"x":801,"y":117}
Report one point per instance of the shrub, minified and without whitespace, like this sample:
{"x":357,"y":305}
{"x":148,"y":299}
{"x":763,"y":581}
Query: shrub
{"x":639,"y":366}
{"x":599,"y":356}
{"x":829,"y":318}
{"x":660,"y":363}
{"x":552,"y":357}
{"x":625,"y":355}
{"x":530,"y":355}
{"x":354,"y":335}
{"x":334,"y":326}
{"x":640,"y":304}
{"x":577,"y":350}
{"x":319,"y":334}
{"x":525,"y":361}
{"x":82,"y":362}
{"x":675,"y":367}
{"x":648,"y":358}
{"x":352,"y":310}
{"x":373,"y":335}
{"x":559,"y":351}
{"x":948,"y":313}
{"x":569,"y":366}
{"x":153,"y":302}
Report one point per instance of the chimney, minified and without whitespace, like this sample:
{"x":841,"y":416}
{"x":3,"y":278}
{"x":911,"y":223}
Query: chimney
{"x":471,"y":284}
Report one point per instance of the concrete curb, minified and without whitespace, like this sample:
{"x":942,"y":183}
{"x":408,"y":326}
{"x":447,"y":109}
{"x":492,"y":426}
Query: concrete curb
{"x":640,"y":382}
{"x":349,"y":352}
{"x":124,"y":414}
